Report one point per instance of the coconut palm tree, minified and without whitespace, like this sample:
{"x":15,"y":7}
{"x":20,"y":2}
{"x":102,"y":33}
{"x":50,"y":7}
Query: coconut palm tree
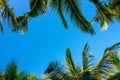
{"x":103,"y":69}
{"x":6,"y":13}
{"x":39,"y":7}
{"x":11,"y":73}
{"x":71,"y":7}
{"x":107,"y":12}
{"x":7,"y":16}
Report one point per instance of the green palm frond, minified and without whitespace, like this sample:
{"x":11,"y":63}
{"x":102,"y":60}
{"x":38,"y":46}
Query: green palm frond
{"x":108,"y":65}
{"x":44,"y":77}
{"x":104,"y":14}
{"x":8,"y":14}
{"x":115,"y":47}
{"x":1,"y":27}
{"x":22,"y":24}
{"x":116,"y":62}
{"x":31,"y":77}
{"x":104,"y":67}
{"x":22,"y":75}
{"x":86,"y":75}
{"x":115,"y":56}
{"x":55,"y":71}
{"x":71,"y":67}
{"x":4,"y":2}
{"x":2,"y":76}
{"x":86,"y":58}
{"x":57,"y":5}
{"x":12,"y":18}
{"x":115,"y":77}
{"x":53,"y":66}
{"x":11,"y":71}
{"x":115,"y":5}
{"x":73,"y":9}
{"x":1,"y":2}
{"x":38,"y":7}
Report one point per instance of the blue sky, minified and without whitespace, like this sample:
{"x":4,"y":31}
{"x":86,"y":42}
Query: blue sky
{"x":46,"y":39}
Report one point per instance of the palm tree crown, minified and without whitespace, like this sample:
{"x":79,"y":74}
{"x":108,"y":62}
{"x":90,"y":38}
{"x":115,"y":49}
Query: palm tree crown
{"x":103,"y":69}
{"x":107,"y":11}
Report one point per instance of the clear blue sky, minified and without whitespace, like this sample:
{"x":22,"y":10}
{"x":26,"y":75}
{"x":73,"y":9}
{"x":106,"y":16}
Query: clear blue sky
{"x":47,"y":40}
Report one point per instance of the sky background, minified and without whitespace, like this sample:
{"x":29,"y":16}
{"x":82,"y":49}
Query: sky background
{"x":46,"y":39}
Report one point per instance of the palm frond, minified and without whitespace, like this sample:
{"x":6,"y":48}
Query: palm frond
{"x":4,"y":2}
{"x":22,"y":24}
{"x":1,"y":2}
{"x":104,"y":14}
{"x":22,"y":75}
{"x":55,"y":71}
{"x":115,"y":47}
{"x":115,"y":77}
{"x":31,"y":77}
{"x":11,"y":71}
{"x":8,"y":14}
{"x":114,"y":5}
{"x":86,"y":59}
{"x":1,"y":27}
{"x":116,"y":62}
{"x":38,"y":7}
{"x":46,"y":4}
{"x":104,"y":67}
{"x":2,"y":76}
{"x":57,"y":5}
{"x":73,"y":9}
{"x":115,"y":56}
{"x":86,"y":75}
{"x":71,"y":67}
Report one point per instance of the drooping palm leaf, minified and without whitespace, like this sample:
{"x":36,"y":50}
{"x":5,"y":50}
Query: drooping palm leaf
{"x":115,"y":5}
{"x":57,"y":5}
{"x":8,"y":14}
{"x":104,"y":14}
{"x":1,"y":27}
{"x":72,"y":7}
{"x":22,"y":24}
{"x":12,"y":18}
{"x":38,"y":7}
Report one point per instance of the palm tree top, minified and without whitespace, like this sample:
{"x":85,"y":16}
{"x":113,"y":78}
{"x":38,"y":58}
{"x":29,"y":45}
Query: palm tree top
{"x":107,"y":11}
{"x":103,"y":69}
